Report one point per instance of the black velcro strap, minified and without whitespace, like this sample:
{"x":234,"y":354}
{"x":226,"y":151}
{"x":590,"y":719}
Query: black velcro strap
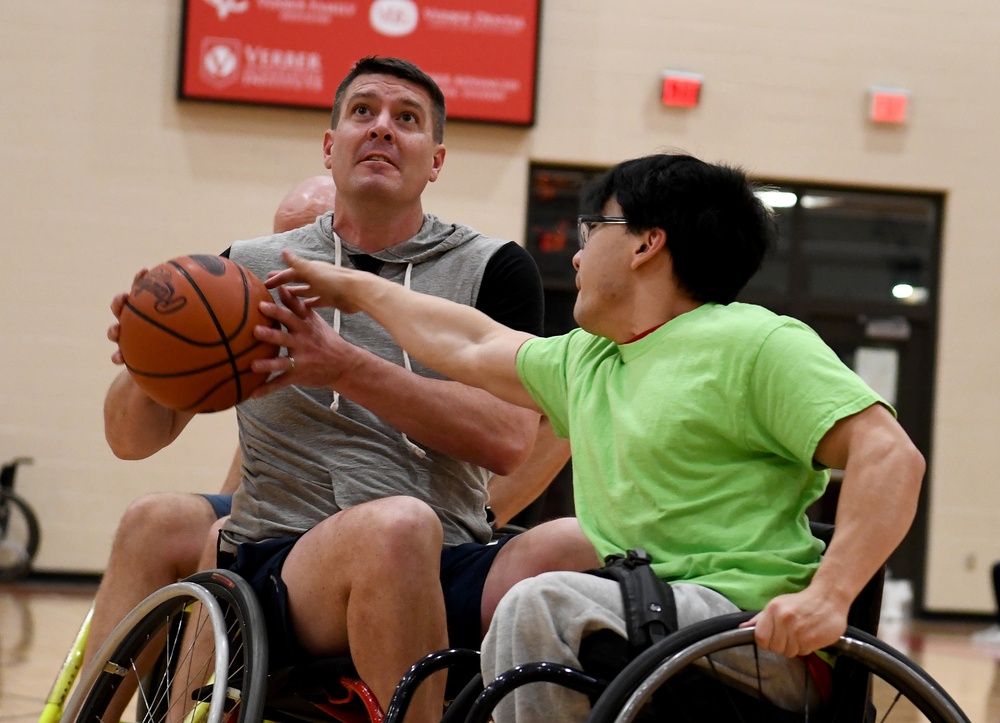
{"x":650,"y":610}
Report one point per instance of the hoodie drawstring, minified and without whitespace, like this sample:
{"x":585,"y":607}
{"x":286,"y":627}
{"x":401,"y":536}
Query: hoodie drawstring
{"x":406,"y":363}
{"x":335,"y":404}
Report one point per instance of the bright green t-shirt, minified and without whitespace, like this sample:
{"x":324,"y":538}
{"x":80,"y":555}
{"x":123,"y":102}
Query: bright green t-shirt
{"x":696,"y":442}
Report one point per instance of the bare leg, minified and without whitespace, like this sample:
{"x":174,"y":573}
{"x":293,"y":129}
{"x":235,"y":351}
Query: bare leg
{"x":555,"y":545}
{"x":158,"y":541}
{"x":368,"y":580}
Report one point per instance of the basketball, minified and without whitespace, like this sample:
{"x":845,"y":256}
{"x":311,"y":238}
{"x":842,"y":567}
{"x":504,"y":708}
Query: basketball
{"x":187,"y":333}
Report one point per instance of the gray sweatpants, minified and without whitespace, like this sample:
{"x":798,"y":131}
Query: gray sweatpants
{"x":544,"y":619}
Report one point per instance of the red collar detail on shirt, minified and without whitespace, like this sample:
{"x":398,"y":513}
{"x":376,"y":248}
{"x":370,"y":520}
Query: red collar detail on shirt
{"x":645,"y":333}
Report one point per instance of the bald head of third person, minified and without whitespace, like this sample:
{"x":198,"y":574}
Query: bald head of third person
{"x":308,"y":199}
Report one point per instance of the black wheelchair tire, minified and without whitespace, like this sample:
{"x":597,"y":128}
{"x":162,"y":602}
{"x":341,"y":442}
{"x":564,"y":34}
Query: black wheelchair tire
{"x":15,"y":504}
{"x":237,"y":622}
{"x":242,"y":611}
{"x":667,"y":658}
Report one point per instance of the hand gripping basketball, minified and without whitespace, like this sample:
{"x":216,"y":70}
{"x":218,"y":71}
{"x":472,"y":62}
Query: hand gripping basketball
{"x":186,"y":333}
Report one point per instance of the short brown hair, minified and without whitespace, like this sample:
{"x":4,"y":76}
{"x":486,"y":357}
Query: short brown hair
{"x":375,"y":65}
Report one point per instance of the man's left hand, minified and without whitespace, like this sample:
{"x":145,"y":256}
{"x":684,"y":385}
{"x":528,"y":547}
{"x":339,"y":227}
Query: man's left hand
{"x":799,"y":623}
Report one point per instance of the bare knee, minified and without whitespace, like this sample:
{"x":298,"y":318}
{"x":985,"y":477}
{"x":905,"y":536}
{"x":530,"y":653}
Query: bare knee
{"x":166,"y":527}
{"x":396,"y":538}
{"x":165,"y":513}
{"x":353,"y":570}
{"x":402,"y":531}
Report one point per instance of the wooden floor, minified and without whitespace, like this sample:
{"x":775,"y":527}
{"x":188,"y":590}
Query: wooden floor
{"x":38,"y":622}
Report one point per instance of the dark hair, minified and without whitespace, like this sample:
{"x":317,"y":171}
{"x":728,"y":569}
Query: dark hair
{"x":718,"y":231}
{"x":374,"y":65}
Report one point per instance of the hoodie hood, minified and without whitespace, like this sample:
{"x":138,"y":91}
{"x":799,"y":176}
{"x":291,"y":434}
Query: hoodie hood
{"x":434,"y":238}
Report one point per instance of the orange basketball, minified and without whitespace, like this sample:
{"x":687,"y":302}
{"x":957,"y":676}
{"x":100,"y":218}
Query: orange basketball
{"x":187,"y":333}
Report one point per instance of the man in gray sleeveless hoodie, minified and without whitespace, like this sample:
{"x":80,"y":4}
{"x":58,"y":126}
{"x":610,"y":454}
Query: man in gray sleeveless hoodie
{"x":360,"y":519}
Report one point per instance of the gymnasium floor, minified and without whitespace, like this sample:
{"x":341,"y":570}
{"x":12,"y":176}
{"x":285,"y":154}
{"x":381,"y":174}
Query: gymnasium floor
{"x":38,"y":622}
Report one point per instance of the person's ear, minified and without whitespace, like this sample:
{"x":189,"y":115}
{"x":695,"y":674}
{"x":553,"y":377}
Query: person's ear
{"x":651,"y":242}
{"x":328,"y":148}
{"x":437,"y":163}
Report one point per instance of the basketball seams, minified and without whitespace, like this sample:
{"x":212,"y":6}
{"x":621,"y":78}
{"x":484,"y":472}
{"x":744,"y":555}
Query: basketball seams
{"x":226,"y":341}
{"x":165,"y":354}
{"x":194,"y":406}
{"x":170,"y":332}
{"x":192,"y":371}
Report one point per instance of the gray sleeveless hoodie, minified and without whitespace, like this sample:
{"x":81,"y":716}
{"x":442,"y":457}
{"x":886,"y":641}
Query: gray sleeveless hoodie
{"x":303,"y":461}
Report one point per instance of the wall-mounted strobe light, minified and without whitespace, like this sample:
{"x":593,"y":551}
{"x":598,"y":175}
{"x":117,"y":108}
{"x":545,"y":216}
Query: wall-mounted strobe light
{"x":888,"y":105}
{"x":681,"y":89}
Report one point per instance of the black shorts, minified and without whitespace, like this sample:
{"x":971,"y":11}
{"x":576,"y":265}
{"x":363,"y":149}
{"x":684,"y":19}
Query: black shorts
{"x":463,"y":574}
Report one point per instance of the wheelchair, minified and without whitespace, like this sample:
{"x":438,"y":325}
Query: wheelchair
{"x":679,"y":680}
{"x":196,"y":651}
{"x":210,"y":643}
{"x":20,"y":533}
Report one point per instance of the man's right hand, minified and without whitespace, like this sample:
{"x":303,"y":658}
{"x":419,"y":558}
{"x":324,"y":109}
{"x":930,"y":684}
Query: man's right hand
{"x":117,"y":304}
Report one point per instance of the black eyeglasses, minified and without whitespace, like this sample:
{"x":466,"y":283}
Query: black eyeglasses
{"x":585,"y":224}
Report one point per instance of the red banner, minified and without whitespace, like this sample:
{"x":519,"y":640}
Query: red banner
{"x":483,"y":53}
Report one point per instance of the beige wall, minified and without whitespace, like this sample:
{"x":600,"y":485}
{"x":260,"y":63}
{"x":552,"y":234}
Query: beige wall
{"x":104,"y":172}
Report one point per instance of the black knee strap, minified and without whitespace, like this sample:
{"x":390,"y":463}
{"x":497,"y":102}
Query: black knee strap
{"x":650,"y":610}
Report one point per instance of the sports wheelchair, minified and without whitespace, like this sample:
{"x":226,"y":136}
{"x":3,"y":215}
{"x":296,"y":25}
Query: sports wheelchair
{"x":209,"y":638}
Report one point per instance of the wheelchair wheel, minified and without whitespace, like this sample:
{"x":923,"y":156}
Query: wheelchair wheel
{"x":191,"y":635}
{"x":685,"y":676}
{"x":19,"y":536}
{"x":247,"y":636}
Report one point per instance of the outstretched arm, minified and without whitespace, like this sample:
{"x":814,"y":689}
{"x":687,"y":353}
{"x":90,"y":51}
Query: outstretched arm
{"x":449,"y":416}
{"x":878,"y":499}
{"x":458,"y":341}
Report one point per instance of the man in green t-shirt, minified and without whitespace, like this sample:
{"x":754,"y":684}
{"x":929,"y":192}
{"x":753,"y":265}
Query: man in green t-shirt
{"x":701,"y":428}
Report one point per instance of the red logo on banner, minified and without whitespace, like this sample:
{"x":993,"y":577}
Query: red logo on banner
{"x":220,"y":61}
